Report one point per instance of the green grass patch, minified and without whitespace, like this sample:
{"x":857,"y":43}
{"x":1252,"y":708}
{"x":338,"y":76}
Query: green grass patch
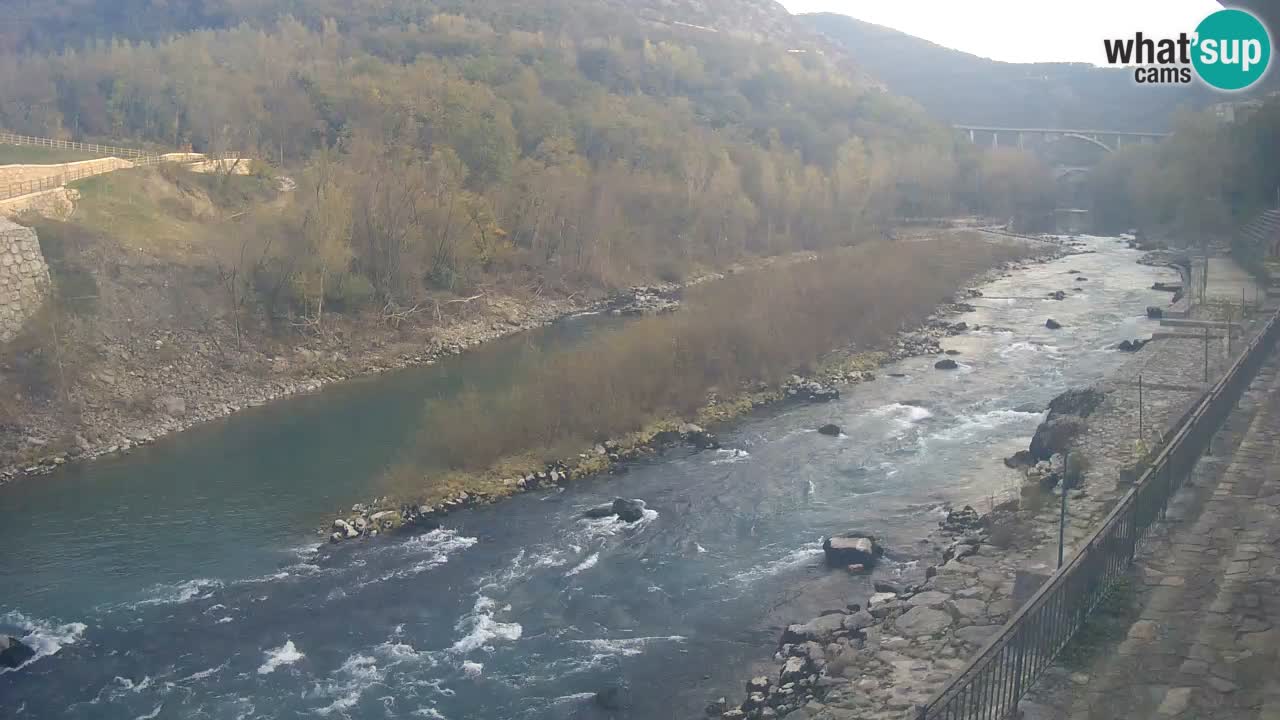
{"x":31,"y":155}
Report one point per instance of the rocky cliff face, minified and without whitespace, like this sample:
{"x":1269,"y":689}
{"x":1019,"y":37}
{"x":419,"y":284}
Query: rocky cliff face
{"x":24,"y":277}
{"x":762,"y":21}
{"x":757,"y":19}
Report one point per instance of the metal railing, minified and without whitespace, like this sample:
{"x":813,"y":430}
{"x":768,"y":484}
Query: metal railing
{"x":992,"y":683}
{"x":68,"y":174}
{"x":125,"y":153}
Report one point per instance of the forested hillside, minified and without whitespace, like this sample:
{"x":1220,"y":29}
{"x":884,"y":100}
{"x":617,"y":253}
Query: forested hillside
{"x":605,"y":141}
{"x":426,"y":174}
{"x":1199,"y":186}
{"x":960,"y":88}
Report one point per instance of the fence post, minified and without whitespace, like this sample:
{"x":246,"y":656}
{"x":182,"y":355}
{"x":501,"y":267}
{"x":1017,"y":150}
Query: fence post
{"x":1062,"y":516}
{"x":1206,"y":355}
{"x":1229,"y":334}
{"x":1142,"y":435}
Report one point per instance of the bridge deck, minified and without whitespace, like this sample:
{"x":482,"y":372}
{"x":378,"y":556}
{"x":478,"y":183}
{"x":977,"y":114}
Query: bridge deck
{"x":1122,"y":133}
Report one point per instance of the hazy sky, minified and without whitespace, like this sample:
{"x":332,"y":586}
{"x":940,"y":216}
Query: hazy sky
{"x":1023,"y":30}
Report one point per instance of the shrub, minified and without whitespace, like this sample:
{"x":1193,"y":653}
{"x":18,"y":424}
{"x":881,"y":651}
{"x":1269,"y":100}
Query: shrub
{"x":352,"y":291}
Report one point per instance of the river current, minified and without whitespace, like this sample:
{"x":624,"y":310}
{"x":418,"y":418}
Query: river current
{"x":183,"y":580}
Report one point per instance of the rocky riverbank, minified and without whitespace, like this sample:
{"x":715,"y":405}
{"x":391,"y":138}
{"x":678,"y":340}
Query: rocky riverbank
{"x":884,"y":656}
{"x":145,"y":386}
{"x":174,"y":380}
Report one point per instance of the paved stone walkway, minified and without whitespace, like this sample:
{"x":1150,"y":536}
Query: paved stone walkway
{"x":1205,"y":644}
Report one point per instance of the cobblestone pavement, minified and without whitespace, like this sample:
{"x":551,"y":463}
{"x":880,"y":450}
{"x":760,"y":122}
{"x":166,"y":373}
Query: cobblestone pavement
{"x":1204,"y":644}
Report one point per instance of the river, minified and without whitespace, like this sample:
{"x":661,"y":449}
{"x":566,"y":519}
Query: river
{"x":182,"y":580}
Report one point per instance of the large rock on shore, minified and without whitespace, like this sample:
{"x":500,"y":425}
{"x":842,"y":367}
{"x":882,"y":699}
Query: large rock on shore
{"x":809,"y":390}
{"x":820,"y":630}
{"x":646,"y":300}
{"x":963,"y":520}
{"x":1064,"y":422}
{"x":1080,"y":401}
{"x":14,"y":652}
{"x":698,"y":437}
{"x":921,"y":620}
{"x":1055,"y":435}
{"x":1020,"y":459}
{"x":852,"y":548}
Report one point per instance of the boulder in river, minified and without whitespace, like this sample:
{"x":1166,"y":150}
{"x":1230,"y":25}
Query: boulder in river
{"x":614,"y":697}
{"x":852,"y":548}
{"x":946,"y":364}
{"x":600,"y":511}
{"x":1154,"y":312}
{"x":628,"y":510}
{"x":1131,"y":345}
{"x":830,"y":429}
{"x":1053,"y":324}
{"x":14,"y":652}
{"x":1058,"y":295}
{"x":1082,"y":279}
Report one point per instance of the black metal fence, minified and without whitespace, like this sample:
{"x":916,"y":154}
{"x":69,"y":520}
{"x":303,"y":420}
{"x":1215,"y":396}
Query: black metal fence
{"x":993,"y":682}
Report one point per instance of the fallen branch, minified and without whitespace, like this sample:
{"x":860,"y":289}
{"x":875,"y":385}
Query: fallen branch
{"x":393,"y":314}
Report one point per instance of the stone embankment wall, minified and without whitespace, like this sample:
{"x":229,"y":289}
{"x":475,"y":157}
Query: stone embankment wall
{"x":24,"y":277}
{"x":28,"y":173}
{"x":57,"y":203}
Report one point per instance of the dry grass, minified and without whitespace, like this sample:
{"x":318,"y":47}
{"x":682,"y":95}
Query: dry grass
{"x":162,"y":213}
{"x":744,"y":330}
